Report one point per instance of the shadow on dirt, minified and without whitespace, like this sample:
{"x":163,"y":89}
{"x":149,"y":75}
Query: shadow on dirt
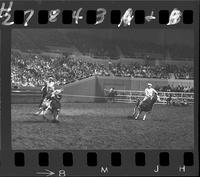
{"x":36,"y":121}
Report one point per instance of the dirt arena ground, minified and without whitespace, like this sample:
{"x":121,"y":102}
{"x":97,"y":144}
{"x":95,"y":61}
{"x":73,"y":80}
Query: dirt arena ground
{"x":103,"y":126}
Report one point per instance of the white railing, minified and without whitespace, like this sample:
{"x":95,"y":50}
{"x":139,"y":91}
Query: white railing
{"x":130,"y":96}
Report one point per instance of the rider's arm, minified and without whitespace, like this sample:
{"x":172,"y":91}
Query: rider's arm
{"x":155,"y":91}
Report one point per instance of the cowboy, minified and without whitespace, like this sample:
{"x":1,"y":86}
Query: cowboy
{"x":149,"y":91}
{"x":112,"y":89}
{"x":47,"y":90}
{"x":51,"y":84}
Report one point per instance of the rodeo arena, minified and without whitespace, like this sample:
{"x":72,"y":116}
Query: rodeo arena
{"x":102,"y":97}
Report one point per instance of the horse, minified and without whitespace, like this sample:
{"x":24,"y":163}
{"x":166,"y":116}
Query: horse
{"x":146,"y":106}
{"x":111,"y":96}
{"x":51,"y":104}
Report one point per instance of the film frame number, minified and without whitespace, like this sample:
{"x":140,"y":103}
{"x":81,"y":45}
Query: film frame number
{"x":62,"y":173}
{"x":6,"y":15}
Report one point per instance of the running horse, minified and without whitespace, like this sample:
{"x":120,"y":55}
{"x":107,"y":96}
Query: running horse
{"x":51,"y":104}
{"x":146,"y":106}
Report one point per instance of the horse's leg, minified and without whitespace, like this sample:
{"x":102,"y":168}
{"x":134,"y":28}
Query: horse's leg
{"x":138,"y":114}
{"x":43,"y":113}
{"x":57,"y":115}
{"x":144,"y":117}
{"x":134,"y":111}
{"x":54,"y":115}
{"x":147,"y":113}
{"x":38,"y":112}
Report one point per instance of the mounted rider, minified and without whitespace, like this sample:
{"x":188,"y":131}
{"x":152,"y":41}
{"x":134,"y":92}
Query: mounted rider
{"x":52,"y":104}
{"x":51,"y":84}
{"x":141,"y":106}
{"x":149,"y":92}
{"x":47,"y":90}
{"x":112,"y":90}
{"x":50,"y":87}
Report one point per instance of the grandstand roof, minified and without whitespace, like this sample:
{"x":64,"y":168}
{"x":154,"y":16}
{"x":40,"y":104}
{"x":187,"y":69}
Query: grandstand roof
{"x":86,"y":39}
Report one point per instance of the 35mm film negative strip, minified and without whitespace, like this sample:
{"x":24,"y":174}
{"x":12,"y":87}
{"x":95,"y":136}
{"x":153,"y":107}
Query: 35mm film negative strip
{"x":94,"y":17}
{"x":99,"y":88}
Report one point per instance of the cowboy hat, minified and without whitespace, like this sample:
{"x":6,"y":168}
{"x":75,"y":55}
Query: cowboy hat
{"x":51,"y":78}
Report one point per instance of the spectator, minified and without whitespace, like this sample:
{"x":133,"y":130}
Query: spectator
{"x":30,"y":70}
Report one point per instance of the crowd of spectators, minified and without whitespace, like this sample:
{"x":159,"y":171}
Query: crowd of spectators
{"x":32,"y":70}
{"x":172,"y":88}
{"x":184,"y":72}
{"x":140,"y":71}
{"x":137,"y":70}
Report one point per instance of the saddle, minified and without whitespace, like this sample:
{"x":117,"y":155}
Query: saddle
{"x":147,"y":104}
{"x":147,"y":101}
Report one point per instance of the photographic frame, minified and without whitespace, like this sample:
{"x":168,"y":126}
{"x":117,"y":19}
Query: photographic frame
{"x":104,"y":155}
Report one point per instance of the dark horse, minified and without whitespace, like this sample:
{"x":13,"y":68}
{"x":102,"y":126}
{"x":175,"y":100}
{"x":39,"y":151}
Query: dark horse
{"x":146,"y":106}
{"x":52,"y":104}
{"x":111,"y":96}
